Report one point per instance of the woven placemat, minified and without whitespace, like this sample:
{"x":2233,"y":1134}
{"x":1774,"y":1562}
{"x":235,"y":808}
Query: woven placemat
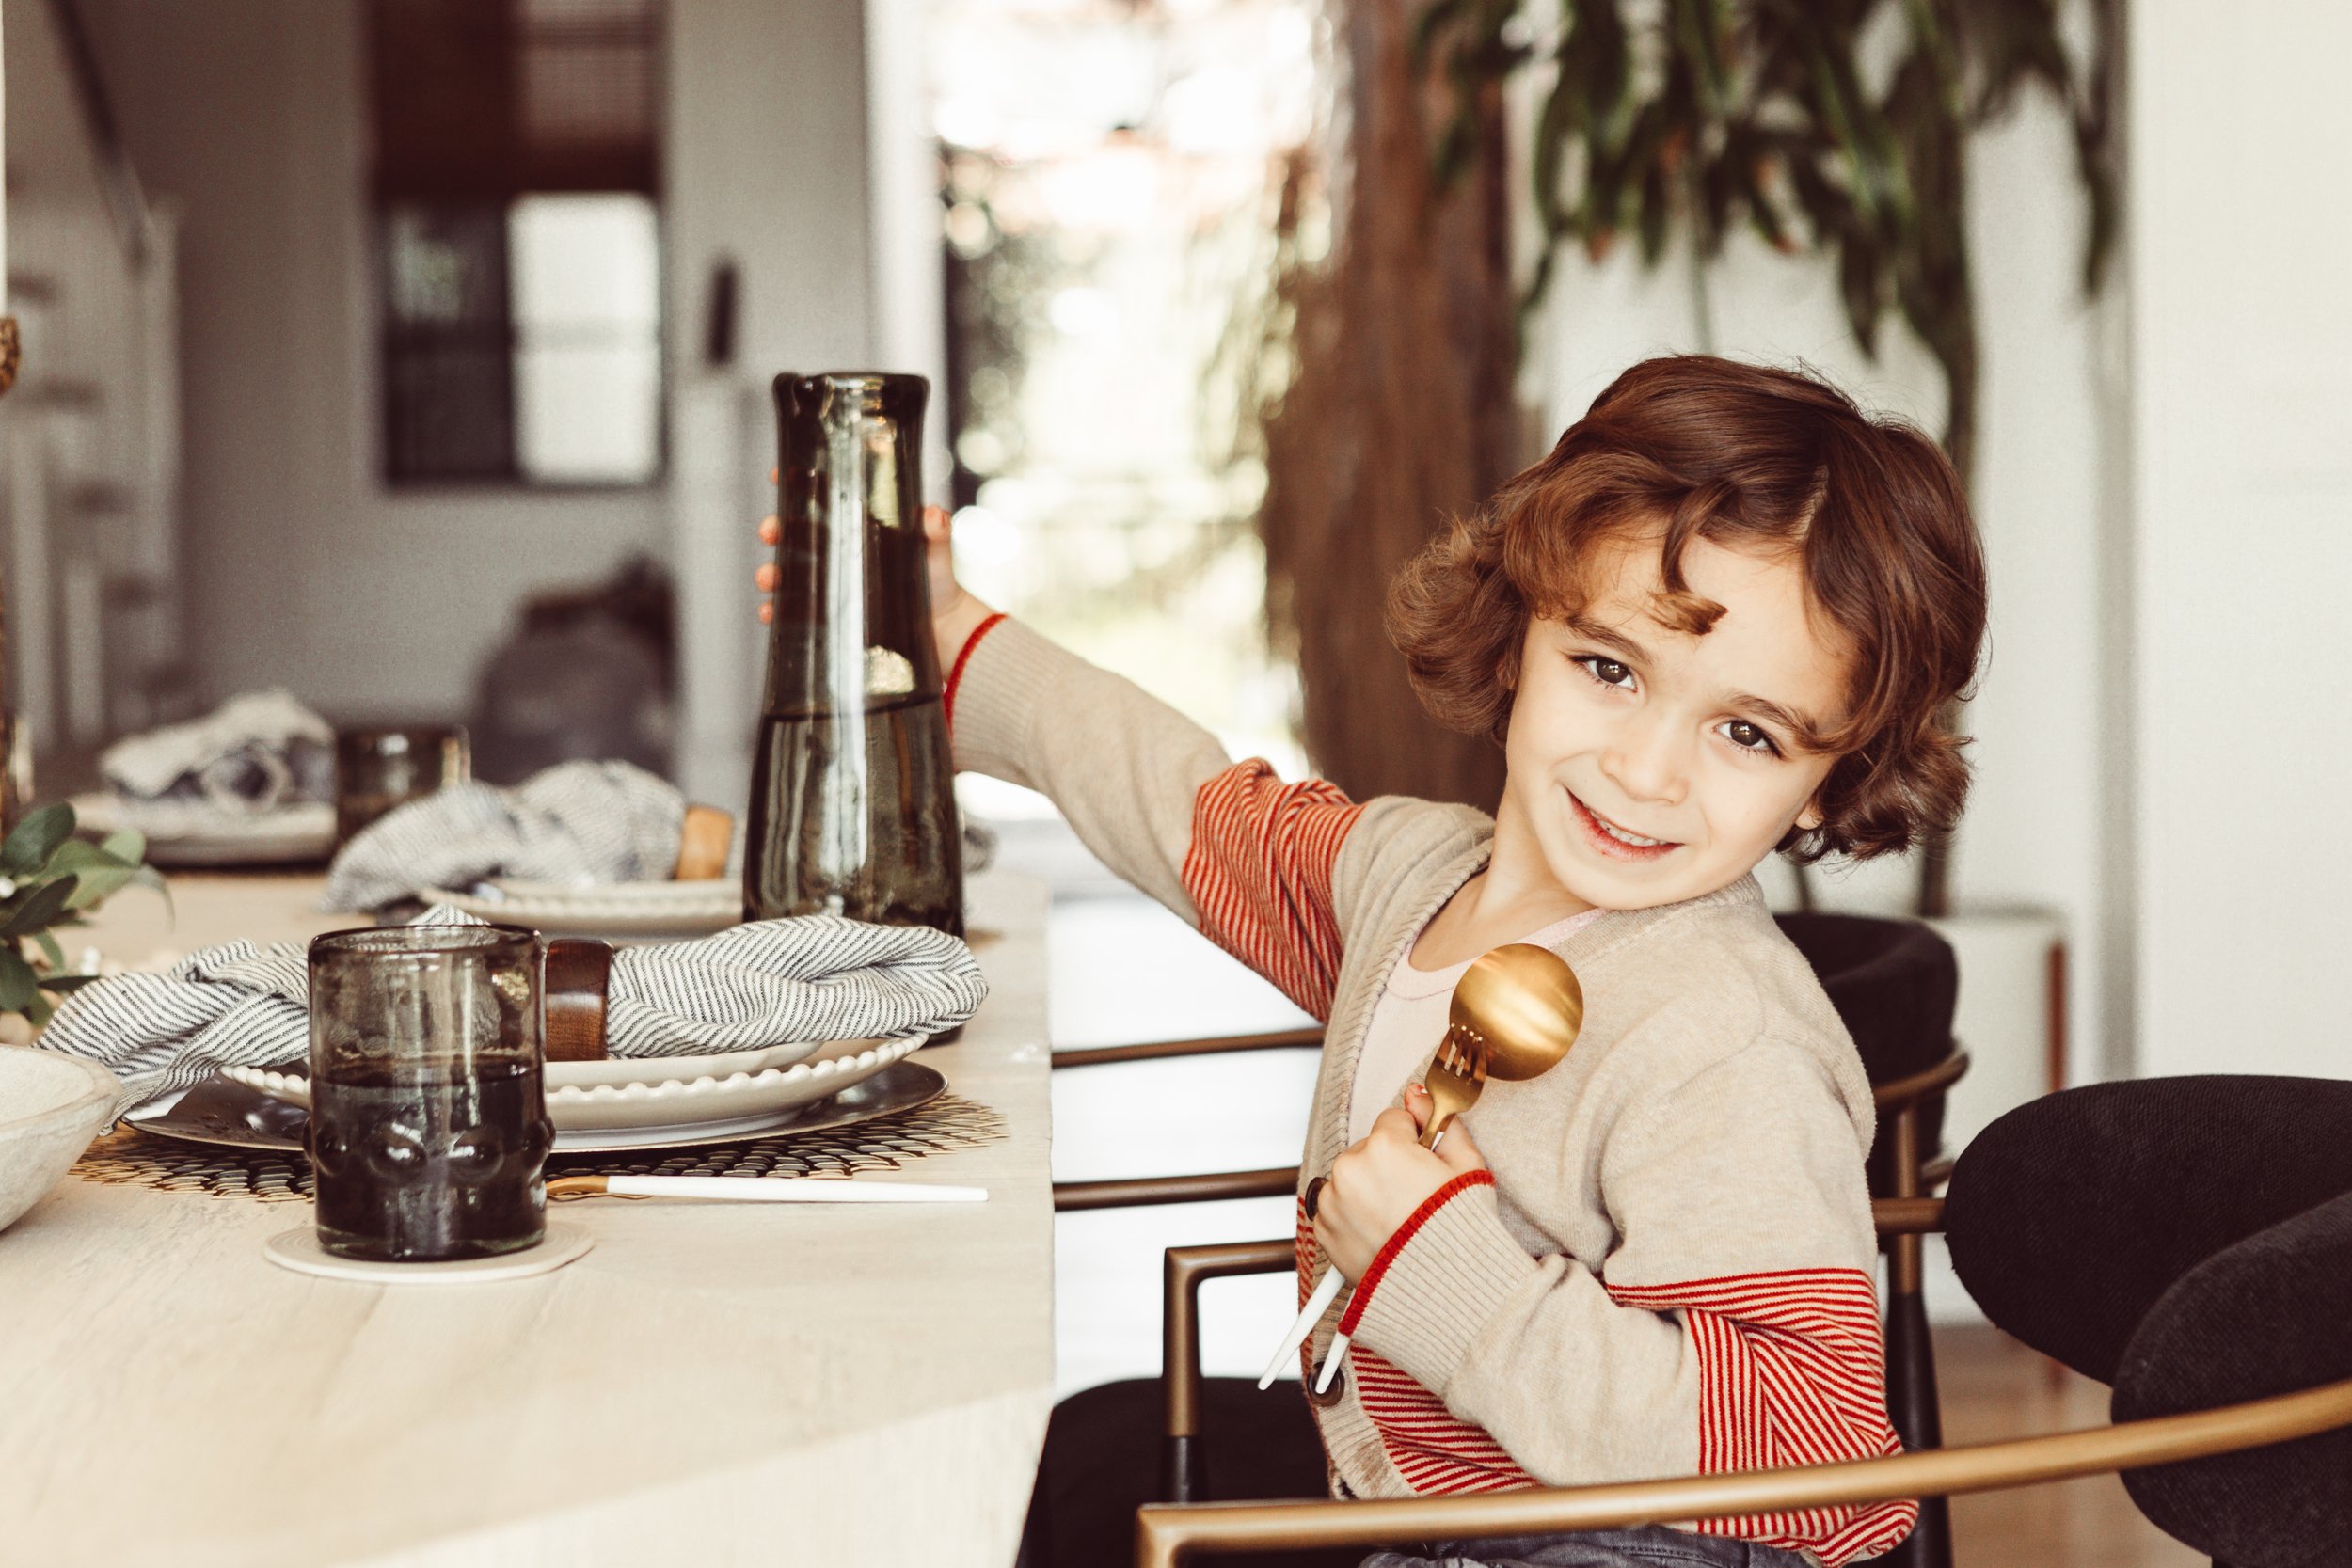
{"x":134,"y":1159}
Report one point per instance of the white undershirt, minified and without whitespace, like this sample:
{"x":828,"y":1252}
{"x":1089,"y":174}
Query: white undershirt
{"x":1408,"y":1022}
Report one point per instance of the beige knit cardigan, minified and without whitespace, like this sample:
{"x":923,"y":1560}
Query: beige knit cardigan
{"x":1672,"y":1268}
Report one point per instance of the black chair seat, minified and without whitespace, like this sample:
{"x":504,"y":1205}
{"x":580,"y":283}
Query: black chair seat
{"x":2182,"y":1168}
{"x":2272,"y":1315}
{"x":1102,"y":1462}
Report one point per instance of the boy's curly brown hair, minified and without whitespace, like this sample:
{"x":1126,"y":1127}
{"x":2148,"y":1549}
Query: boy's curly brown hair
{"x":1692,"y":446}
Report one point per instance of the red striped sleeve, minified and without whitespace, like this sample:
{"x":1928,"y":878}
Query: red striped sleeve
{"x":1259,"y":870}
{"x":1792,"y":1371}
{"x":1432,"y":1448}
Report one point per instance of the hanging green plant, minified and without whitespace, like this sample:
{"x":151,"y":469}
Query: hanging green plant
{"x":49,"y":880}
{"x":1697,"y":118}
{"x":1837,"y":128}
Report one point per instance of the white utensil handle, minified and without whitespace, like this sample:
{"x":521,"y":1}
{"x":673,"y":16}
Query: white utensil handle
{"x":1331,"y":1362}
{"x":790,"y":1191}
{"x":1309,"y":1316}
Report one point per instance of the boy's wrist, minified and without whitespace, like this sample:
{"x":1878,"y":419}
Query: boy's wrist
{"x":1439,"y":1289}
{"x":953,"y":626}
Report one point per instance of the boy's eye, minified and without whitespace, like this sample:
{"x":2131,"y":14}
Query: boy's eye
{"x":1749,"y":738}
{"x":1606,"y":670}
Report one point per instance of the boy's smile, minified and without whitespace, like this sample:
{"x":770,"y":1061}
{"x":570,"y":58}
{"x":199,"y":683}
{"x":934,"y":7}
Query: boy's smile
{"x":1613,"y":840}
{"x":1648,"y":763}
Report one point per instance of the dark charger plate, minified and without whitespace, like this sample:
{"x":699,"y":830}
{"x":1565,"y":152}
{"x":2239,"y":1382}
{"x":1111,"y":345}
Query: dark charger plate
{"x":221,"y":1113}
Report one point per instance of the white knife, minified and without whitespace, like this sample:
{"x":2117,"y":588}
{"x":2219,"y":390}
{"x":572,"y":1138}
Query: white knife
{"x":753,"y":1189}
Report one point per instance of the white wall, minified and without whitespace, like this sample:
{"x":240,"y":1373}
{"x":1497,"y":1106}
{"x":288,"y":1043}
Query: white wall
{"x":2033,"y":833}
{"x":766,"y":163}
{"x":2242,"y":437}
{"x":88,"y":435}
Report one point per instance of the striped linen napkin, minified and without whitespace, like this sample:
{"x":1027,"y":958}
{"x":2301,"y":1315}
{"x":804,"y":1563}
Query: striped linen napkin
{"x":578,"y":822}
{"x":814,"y":978}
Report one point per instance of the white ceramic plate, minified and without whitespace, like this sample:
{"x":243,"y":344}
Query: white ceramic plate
{"x":613,"y":1070}
{"x":610,"y":909}
{"x":192,"y":833}
{"x":669,"y":1102}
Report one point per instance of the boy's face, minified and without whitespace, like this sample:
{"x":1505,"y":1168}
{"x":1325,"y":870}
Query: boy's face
{"x":1646,"y":765}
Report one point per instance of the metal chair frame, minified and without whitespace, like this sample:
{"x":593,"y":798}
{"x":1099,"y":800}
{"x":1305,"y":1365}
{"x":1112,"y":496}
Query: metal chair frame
{"x":1170,"y":1533}
{"x":1904,"y":1219}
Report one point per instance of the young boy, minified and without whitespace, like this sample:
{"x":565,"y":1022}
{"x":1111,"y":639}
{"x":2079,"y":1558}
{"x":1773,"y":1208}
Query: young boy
{"x":1719,"y":620}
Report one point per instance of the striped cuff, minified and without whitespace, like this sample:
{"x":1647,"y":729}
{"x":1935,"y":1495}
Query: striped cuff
{"x":999,"y":679}
{"x":964,"y":656}
{"x":1442,"y":1277}
{"x":1361,"y":1298}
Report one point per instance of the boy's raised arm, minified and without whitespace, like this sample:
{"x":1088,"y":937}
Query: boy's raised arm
{"x":1229,"y":846}
{"x":1121,"y":764}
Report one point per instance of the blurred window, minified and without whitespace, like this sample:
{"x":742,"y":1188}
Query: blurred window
{"x":515,"y":191}
{"x":1111,"y":172}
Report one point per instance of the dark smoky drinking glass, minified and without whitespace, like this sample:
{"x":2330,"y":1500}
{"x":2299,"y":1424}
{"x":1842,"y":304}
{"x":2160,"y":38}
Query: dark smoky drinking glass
{"x":376,"y":769}
{"x":428,"y":1126}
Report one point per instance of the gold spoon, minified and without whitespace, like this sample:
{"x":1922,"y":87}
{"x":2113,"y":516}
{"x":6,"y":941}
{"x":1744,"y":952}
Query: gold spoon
{"x":1515,"y":1014}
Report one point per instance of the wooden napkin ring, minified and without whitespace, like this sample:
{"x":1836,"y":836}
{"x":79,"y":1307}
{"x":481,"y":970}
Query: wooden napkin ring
{"x":703,"y":844}
{"x":572,"y":984}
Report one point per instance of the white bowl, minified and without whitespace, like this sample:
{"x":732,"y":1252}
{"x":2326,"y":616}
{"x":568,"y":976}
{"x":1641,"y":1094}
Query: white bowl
{"x":50,"y":1106}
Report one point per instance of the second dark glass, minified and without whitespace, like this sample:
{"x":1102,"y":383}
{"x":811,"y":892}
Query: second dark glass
{"x":852,"y":808}
{"x":428,"y":1126}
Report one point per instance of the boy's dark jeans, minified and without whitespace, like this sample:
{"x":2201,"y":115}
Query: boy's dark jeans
{"x":1616,"y":1548}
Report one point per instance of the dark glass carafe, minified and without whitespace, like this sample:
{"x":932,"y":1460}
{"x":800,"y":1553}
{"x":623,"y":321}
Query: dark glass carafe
{"x":852,"y":808}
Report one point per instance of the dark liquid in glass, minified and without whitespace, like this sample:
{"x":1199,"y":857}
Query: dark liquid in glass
{"x":878,"y":841}
{"x":431,"y":1164}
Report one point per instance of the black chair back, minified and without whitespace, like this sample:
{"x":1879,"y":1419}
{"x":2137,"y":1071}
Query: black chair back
{"x":1894,"y":984}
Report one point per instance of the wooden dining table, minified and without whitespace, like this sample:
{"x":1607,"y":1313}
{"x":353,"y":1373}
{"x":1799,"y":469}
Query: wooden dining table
{"x":713,"y":1383}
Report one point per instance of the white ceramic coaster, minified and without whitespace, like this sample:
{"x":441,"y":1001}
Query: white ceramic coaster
{"x":300,"y":1250}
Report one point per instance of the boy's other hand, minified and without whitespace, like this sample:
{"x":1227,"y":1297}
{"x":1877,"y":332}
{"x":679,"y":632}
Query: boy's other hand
{"x":1376,"y":1186}
{"x":955,"y":614}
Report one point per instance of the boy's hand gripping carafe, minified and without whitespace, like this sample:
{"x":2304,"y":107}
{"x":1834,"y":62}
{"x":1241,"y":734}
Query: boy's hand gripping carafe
{"x":852,"y":808}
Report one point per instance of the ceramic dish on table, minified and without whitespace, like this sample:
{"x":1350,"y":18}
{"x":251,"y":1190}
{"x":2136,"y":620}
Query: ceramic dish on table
{"x":610,"y":909}
{"x":223,"y":1113}
{"x":667,"y":1091}
{"x":192,"y":835}
{"x":50,"y":1106}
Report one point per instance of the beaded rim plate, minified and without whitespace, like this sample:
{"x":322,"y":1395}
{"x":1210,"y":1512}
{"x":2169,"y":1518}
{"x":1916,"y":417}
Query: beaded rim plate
{"x":221,"y":1113}
{"x":671,"y":1102}
{"x":620,"y":1071}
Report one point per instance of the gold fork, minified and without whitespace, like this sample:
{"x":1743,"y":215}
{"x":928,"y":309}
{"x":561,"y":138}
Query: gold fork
{"x":1515,"y":1015}
{"x":1457,"y":1076}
